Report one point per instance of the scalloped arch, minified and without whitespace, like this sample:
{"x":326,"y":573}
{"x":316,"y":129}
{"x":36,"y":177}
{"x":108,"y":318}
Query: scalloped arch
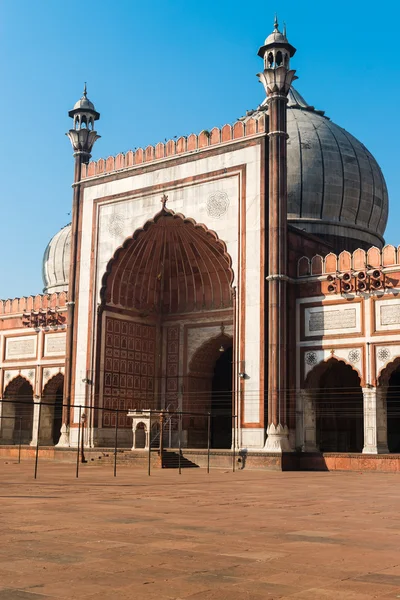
{"x":170,"y":265}
{"x":53,"y":384}
{"x":15,"y":383}
{"x":386,"y":372}
{"x":319,"y":369}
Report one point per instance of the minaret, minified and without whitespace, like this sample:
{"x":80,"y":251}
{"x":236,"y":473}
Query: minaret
{"x":277,"y":79}
{"x":82,"y":137}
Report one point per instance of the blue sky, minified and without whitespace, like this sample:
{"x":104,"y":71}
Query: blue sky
{"x":164,"y":68}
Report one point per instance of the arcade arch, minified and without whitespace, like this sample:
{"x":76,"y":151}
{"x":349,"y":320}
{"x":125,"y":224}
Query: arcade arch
{"x":17,"y":412}
{"x":334,"y":408}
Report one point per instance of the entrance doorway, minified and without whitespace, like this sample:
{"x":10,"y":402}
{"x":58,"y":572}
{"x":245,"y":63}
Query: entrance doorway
{"x":221,"y":401}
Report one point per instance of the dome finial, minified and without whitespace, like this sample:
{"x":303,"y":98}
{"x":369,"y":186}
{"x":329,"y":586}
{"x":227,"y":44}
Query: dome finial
{"x":276,"y":24}
{"x":284,"y":28}
{"x":85,"y":90}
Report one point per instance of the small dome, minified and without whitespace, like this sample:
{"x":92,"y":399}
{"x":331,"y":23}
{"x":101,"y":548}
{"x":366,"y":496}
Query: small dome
{"x":276,"y":37}
{"x":56,"y":259}
{"x":84,"y":104}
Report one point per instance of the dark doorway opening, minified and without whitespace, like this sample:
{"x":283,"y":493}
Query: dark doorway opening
{"x":339,"y":408}
{"x":393,"y":412}
{"x":57,"y":419}
{"x":24,"y":412}
{"x":221,"y":401}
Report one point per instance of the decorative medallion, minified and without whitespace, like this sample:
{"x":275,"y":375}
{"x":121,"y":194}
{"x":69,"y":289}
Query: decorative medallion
{"x":47,"y":373}
{"x":8,"y":376}
{"x":31,"y":374}
{"x":311,"y":358}
{"x":217,"y":204}
{"x":383,"y":354}
{"x":354,"y":356}
{"x":115,"y":225}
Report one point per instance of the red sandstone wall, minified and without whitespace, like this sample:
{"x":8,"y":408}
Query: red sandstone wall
{"x":12,"y":309}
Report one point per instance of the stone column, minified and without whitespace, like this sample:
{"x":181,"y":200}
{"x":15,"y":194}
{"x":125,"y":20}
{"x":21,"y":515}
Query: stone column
{"x":35,"y":423}
{"x":308,"y":425}
{"x":375,"y":421}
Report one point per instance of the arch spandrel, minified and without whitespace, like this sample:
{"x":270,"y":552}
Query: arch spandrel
{"x":170,"y":265}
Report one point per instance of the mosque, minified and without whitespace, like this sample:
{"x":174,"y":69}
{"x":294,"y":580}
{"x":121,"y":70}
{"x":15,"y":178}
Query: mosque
{"x":239,"y":273}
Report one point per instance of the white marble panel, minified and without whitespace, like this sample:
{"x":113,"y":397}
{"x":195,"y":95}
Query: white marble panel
{"x":332,"y":320}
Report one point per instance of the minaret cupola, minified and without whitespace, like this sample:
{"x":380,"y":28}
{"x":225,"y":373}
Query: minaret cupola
{"x":83,"y":134}
{"x":276,"y":54}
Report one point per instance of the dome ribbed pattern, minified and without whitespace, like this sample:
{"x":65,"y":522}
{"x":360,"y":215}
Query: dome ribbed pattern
{"x":56,"y":259}
{"x":336,"y":189}
{"x":172,"y":265}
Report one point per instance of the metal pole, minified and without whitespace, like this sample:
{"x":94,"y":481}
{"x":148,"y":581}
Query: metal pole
{"x":83,"y":419}
{"x":19,"y":440}
{"x":116,"y":442}
{"x":161,"y":438}
{"x":79,"y":438}
{"x":149,"y":444}
{"x":37,"y":441}
{"x":234,"y":442}
{"x":208,"y":440}
{"x":180,"y":443}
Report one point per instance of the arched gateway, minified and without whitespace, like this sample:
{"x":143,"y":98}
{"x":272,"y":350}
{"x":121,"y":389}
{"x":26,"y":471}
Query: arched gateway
{"x":167,"y":292}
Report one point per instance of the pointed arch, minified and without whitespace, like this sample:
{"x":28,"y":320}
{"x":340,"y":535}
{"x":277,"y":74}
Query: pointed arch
{"x":15,"y":384}
{"x":17,"y":412}
{"x":210,"y":390}
{"x":314,"y":375}
{"x":335,"y":406}
{"x":383,"y":376}
{"x":170,"y":265}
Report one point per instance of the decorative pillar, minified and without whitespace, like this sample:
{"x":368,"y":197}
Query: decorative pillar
{"x":308,"y":424}
{"x":35,"y":421}
{"x":277,"y":79}
{"x":82,"y":137}
{"x":375,"y":421}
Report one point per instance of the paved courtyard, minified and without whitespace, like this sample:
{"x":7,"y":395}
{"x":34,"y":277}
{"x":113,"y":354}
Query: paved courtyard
{"x":224,"y":536}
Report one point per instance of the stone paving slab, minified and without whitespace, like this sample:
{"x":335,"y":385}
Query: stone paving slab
{"x":249,"y":535}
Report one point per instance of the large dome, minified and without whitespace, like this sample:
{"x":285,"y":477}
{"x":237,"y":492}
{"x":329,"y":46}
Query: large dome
{"x":336,"y":189}
{"x":56,"y":259}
